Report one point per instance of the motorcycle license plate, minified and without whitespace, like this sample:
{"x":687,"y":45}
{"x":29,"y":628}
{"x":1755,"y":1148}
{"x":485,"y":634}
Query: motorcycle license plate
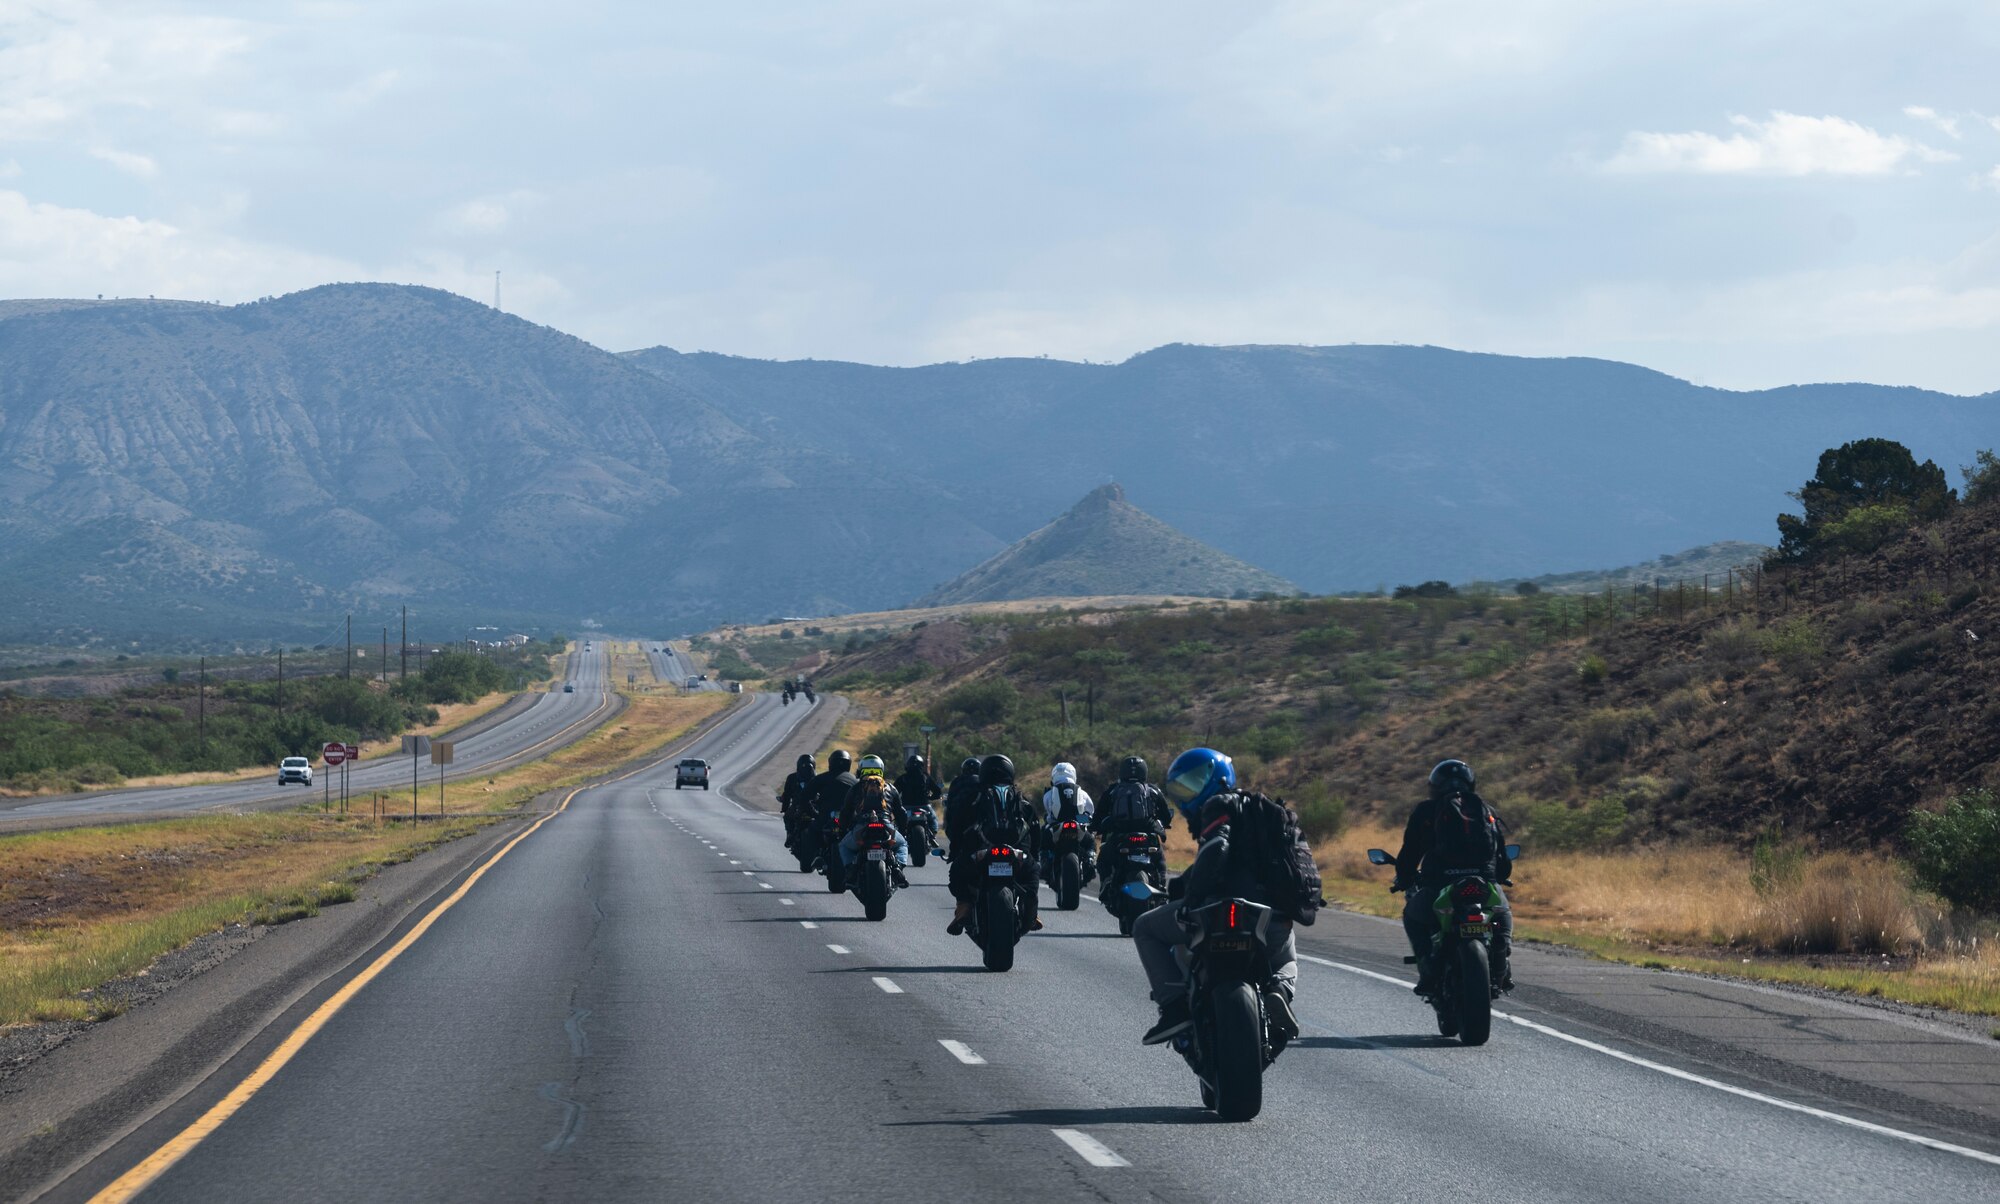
{"x":1229,"y":944}
{"x":878,"y":855}
{"x":1472,"y":930}
{"x":1140,"y":858}
{"x":1000,"y":869}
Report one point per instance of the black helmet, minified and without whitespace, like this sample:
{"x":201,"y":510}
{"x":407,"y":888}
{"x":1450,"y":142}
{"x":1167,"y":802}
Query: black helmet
{"x":1133,"y":770}
{"x":914,"y":765}
{"x":969,"y":765}
{"x":806,"y":763}
{"x":838,"y":761}
{"x":1451,"y":777}
{"x":996,"y":770}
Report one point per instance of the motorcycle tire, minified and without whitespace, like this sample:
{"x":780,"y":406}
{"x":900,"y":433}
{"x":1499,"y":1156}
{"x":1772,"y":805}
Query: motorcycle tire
{"x":1125,"y":923}
{"x":1001,"y":929}
{"x":1069,"y":883}
{"x":1237,"y":1055}
{"x":836,"y":874}
{"x":872,"y":888}
{"x":805,"y":863}
{"x":1473,"y":1000}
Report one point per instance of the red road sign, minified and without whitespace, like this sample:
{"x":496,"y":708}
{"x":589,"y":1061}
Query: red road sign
{"x":334,"y":754}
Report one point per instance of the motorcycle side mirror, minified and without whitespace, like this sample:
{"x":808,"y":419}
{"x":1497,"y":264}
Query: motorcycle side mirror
{"x":1139,"y":890}
{"x":1380,"y":857}
{"x":1513,"y":852}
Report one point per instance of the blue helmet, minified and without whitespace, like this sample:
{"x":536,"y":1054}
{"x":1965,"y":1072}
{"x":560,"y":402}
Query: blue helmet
{"x":1196,"y":776}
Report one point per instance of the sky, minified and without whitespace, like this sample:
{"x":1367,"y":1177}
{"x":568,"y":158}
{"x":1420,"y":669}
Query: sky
{"x":1741,"y":193}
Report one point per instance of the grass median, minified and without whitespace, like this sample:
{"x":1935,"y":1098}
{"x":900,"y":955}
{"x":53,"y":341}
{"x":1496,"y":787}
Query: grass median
{"x":83,"y":906}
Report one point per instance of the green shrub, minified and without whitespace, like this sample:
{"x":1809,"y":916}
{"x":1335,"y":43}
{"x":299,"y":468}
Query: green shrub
{"x":1774,"y":865}
{"x":1982,"y":479}
{"x":1557,"y":827}
{"x":1323,"y":641}
{"x":1321,"y":814}
{"x":1794,"y":643}
{"x":1610,"y":733}
{"x":1591,"y":670}
{"x":1954,"y":852}
{"x":980,"y":703}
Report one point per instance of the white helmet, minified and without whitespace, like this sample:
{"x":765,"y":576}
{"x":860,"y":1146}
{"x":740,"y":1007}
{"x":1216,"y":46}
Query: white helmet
{"x":1064,"y":774}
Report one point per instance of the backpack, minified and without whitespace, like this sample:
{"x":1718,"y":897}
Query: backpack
{"x":1066,"y":802}
{"x":1129,"y":804}
{"x":999,"y":813}
{"x":1465,"y":835}
{"x":1268,"y":832}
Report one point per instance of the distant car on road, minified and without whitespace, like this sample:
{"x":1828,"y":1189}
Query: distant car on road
{"x":694,"y":683}
{"x":295,"y":769}
{"x":691,"y":772}
{"x":569,"y":687}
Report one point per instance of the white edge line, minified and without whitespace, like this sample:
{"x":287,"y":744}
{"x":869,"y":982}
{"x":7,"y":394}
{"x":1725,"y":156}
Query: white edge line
{"x":1690,"y":1077}
{"x":1093,"y":1151}
{"x":962,"y":1052}
{"x":888,"y":987}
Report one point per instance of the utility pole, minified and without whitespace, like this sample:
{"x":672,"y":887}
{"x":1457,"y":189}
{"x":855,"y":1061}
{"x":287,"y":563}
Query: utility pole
{"x":348,"y":671}
{"x":281,"y":680}
{"x":496,"y":289}
{"x":201,"y":708}
{"x":405,"y":671}
{"x":385,"y":656}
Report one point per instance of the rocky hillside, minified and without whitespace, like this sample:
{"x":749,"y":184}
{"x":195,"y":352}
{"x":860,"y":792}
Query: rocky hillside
{"x":1106,"y":545}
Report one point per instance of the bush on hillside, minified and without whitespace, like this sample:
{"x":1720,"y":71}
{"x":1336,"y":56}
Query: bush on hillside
{"x":1558,"y":828}
{"x":1954,"y":852}
{"x":1854,"y":498}
{"x":1982,"y":479}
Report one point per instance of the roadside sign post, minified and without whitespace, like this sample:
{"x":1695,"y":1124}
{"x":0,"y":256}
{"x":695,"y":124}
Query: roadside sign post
{"x":416,"y":746}
{"x":333,"y":754}
{"x":929,"y":730}
{"x":441,"y":751}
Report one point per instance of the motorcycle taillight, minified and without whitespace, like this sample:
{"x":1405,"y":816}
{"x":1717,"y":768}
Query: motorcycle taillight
{"x":1472,"y":890}
{"x":1232,"y":915}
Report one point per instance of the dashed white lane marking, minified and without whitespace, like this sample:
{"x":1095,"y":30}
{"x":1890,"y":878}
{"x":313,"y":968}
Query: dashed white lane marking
{"x":788,"y":902}
{"x":767,"y":886}
{"x":1689,"y":1077}
{"x":840,"y":949}
{"x":1093,"y":1151}
{"x":747,"y":873}
{"x":807,"y":924}
{"x":733,"y":862}
{"x":888,"y":987}
{"x":962,"y":1052}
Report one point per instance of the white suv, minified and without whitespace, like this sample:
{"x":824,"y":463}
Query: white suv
{"x":295,"y":769}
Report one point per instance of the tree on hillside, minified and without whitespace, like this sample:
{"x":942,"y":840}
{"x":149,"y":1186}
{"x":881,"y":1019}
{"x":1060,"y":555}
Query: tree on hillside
{"x":1863,"y":493}
{"x":1982,"y":479}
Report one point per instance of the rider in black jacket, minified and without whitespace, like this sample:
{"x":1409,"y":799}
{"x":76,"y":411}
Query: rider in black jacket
{"x":958,"y":803}
{"x":796,"y":799}
{"x":1131,"y":805}
{"x":829,"y":795}
{"x":998,"y":814}
{"x":918,"y":790}
{"x":1439,"y":844}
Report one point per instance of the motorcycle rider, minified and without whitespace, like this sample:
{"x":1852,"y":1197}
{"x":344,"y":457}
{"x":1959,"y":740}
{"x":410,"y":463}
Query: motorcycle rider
{"x":997,"y":814}
{"x":872,"y":800}
{"x":829,"y":795}
{"x":1202,"y":783}
{"x":958,"y":803}
{"x":918,"y":790}
{"x":1132,"y":805}
{"x":1066,"y":800}
{"x":796,"y":798}
{"x":1452,"y":834}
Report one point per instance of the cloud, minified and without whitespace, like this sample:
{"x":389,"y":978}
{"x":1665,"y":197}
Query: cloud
{"x":1786,"y":145}
{"x":129,"y":162}
{"x":1927,"y":114}
{"x":488,"y":214}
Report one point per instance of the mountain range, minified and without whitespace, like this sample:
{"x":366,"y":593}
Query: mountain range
{"x":176,"y":468}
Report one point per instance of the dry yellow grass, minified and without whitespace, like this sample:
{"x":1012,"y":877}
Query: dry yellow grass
{"x":1847,"y":921}
{"x":906,"y":618}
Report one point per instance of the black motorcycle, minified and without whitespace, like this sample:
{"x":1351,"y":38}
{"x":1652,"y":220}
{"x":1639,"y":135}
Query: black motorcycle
{"x":920,"y":829}
{"x":1461,"y":950}
{"x":1132,"y":859}
{"x":870,"y":879}
{"x":1232,"y":1039}
{"x":1067,"y":855}
{"x":829,"y":859}
{"x":999,"y":916}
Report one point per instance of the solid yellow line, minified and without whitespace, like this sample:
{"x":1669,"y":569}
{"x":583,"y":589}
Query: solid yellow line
{"x":136,"y":1180}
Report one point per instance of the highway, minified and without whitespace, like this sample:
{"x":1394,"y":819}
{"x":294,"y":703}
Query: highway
{"x":546,"y":722}
{"x":672,"y":666}
{"x":644,"y":1000}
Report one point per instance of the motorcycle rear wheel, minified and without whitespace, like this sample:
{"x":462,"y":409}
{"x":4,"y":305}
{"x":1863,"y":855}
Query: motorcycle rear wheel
{"x":1237,"y":1058}
{"x":1001,"y":929}
{"x":1069,"y":883}
{"x":836,"y":873}
{"x":1474,"y":998}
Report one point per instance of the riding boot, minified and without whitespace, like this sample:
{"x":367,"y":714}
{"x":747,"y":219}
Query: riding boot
{"x":1427,"y":977}
{"x":958,"y":917}
{"x":1278,"y":1007}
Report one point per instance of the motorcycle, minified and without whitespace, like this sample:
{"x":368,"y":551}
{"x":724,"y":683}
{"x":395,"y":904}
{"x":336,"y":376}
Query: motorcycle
{"x":829,"y":859}
{"x":798,"y":828}
{"x":920,"y":829}
{"x":810,"y":696}
{"x":1232,"y":1039}
{"x":1461,"y":949}
{"x":1134,"y":857}
{"x":999,"y":916}
{"x":872,"y":882}
{"x":1069,"y":862}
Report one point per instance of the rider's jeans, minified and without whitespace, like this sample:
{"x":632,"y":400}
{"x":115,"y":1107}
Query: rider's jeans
{"x":850,"y":850}
{"x":1162,"y":944}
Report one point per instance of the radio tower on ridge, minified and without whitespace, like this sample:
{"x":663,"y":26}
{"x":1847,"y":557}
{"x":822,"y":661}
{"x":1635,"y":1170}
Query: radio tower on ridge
{"x":496,"y":289}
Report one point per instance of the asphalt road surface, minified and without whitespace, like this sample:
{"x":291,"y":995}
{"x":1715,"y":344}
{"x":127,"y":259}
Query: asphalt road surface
{"x":672,"y":666}
{"x":644,"y":1000}
{"x":551,"y":720}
